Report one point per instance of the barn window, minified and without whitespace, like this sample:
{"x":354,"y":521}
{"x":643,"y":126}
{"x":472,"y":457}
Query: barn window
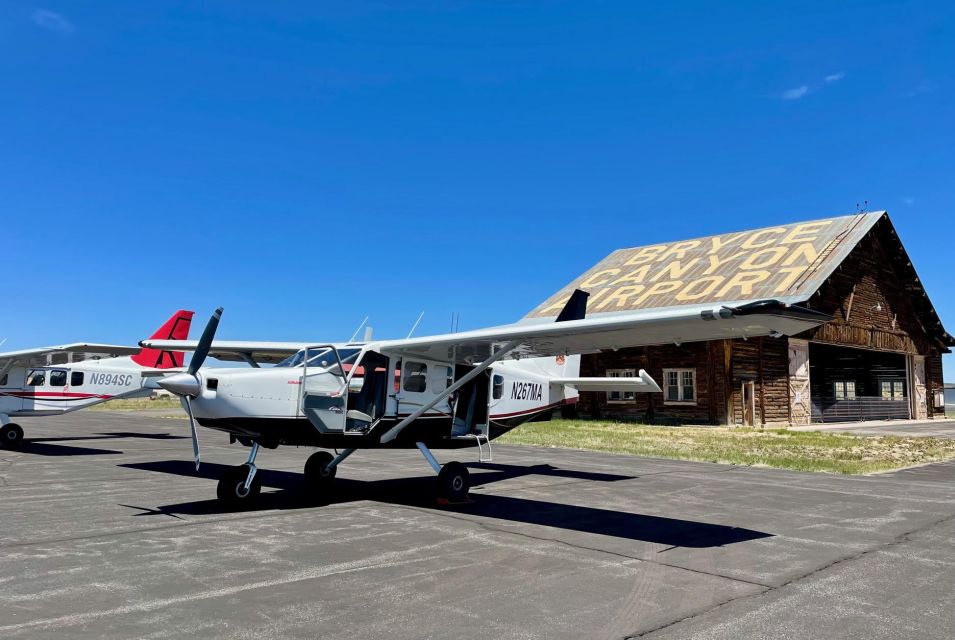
{"x":893,"y":390}
{"x":679,"y":386}
{"x":844,"y":389}
{"x":621,"y":396}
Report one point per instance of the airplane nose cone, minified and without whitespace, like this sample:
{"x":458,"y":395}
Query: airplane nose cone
{"x":182,"y":384}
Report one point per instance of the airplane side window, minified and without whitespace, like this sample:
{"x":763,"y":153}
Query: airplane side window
{"x":58,"y":378}
{"x":36,"y":378}
{"x":3,"y":380}
{"x":441,"y":378}
{"x":498,"y":387}
{"x":416,"y":377}
{"x":76,"y":379}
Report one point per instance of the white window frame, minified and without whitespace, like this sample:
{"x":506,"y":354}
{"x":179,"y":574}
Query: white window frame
{"x":621,"y":397}
{"x":896,"y":390}
{"x":679,"y":381}
{"x":840,"y":390}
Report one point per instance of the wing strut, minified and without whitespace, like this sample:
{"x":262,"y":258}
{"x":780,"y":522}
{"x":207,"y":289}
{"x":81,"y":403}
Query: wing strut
{"x":392,"y":433}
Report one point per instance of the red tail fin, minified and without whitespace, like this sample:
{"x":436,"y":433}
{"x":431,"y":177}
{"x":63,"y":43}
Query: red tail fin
{"x":175,"y":328}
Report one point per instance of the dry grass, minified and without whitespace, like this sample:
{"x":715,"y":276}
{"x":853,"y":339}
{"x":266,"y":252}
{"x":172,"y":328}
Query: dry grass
{"x":801,"y":450}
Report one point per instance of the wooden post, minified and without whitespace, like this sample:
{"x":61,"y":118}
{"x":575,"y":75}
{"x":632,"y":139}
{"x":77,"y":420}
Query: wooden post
{"x":728,"y":380}
{"x":713,"y":411}
{"x":762,"y":394}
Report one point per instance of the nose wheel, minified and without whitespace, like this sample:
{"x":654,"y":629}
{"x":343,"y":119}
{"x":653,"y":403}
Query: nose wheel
{"x":234,"y":491}
{"x":11,"y":436}
{"x":241,"y":485}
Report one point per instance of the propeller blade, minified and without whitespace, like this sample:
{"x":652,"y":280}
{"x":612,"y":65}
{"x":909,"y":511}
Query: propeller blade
{"x":205,"y":342}
{"x":187,"y":403}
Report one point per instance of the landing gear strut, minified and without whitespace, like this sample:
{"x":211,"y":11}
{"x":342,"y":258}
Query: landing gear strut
{"x":454,"y":480}
{"x":11,"y":436}
{"x":240,"y":485}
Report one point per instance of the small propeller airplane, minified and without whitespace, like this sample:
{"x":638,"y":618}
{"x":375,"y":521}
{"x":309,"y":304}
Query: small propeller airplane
{"x":443,"y":391}
{"x":31,"y":389}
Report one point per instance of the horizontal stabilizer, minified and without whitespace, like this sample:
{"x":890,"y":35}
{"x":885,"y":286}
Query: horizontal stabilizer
{"x":643,"y":382}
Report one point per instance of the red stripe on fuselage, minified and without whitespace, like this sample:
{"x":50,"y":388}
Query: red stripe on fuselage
{"x":54,"y":394}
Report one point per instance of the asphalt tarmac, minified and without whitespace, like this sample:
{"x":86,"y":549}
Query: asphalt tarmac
{"x":106,"y":531}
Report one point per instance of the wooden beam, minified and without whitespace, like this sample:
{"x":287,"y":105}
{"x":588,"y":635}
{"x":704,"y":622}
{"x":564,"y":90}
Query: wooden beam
{"x":762,"y":394}
{"x":852,"y":296}
{"x":728,"y":380}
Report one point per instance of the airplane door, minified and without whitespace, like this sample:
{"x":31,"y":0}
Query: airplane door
{"x":414,"y":392}
{"x":11,"y":382}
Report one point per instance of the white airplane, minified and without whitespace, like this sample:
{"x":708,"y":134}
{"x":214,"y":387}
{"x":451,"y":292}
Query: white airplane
{"x":444,"y":391}
{"x":31,"y":389}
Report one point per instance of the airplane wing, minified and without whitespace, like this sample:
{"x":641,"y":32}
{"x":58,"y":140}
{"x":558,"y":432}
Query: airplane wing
{"x":589,"y":335}
{"x":76,"y":347}
{"x":674,"y":325}
{"x":234,"y":350}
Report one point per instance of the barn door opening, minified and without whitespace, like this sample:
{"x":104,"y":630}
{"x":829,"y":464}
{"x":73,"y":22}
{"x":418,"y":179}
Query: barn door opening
{"x":749,"y":403}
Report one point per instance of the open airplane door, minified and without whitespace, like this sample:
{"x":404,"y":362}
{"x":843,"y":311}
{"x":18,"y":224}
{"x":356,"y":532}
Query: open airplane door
{"x":324,"y":391}
{"x":11,"y":383}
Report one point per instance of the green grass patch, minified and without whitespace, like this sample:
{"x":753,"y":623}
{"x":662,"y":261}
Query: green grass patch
{"x":830,"y":452}
{"x":138,"y":404}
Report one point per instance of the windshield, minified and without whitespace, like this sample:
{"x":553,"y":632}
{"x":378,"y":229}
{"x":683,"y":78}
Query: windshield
{"x":316,"y":357}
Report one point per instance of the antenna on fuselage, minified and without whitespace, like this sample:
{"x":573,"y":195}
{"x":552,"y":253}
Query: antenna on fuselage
{"x":415,"y":325}
{"x":355,"y":335}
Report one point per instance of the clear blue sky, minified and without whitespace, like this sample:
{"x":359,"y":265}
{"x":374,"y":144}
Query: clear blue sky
{"x":305,"y":164}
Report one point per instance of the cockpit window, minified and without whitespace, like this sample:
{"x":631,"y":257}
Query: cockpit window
{"x":36,"y":378}
{"x":317,"y":356}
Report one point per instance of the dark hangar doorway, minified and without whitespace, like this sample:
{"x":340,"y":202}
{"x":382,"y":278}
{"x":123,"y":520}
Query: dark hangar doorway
{"x":848,"y":384}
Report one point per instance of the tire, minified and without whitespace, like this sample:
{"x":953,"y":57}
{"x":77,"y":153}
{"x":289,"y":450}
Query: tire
{"x":11,"y":436}
{"x":454,"y":482}
{"x":316,"y":475}
{"x":231,"y":490}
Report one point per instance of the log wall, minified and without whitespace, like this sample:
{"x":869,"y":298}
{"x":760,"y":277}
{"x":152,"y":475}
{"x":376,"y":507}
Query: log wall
{"x":874,"y":302}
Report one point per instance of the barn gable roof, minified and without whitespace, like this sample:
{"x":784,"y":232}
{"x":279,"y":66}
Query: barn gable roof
{"x":787,"y":262}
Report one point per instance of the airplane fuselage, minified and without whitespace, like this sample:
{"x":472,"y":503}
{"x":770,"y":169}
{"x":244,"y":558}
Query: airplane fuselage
{"x":266,"y":405}
{"x":56,"y":389}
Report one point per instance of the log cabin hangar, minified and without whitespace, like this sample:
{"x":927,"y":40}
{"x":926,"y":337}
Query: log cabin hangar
{"x":879,"y":358}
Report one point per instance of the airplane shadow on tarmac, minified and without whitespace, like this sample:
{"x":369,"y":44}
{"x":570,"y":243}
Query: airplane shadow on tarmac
{"x":418,"y":492}
{"x":44,"y":446}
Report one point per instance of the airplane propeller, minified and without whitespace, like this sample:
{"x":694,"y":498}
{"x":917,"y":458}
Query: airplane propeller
{"x":186,"y":385}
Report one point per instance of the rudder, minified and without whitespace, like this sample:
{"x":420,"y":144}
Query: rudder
{"x":175,"y":328}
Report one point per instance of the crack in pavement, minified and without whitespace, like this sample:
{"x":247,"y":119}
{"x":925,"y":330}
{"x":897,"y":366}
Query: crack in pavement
{"x":492,"y":529}
{"x":899,"y":539}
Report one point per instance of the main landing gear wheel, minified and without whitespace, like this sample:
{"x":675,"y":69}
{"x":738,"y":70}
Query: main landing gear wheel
{"x":232,"y":491}
{"x":317,"y":473}
{"x":454,"y":482}
{"x":11,"y":436}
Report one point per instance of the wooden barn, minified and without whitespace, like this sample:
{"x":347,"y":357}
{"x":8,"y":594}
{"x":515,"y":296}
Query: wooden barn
{"x":879,"y":358}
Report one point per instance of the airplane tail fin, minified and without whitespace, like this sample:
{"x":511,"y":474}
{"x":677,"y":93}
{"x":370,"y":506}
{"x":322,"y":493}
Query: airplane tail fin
{"x":175,"y":328}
